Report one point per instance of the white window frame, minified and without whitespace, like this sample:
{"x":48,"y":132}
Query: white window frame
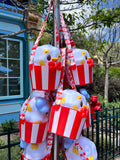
{"x":21,"y":71}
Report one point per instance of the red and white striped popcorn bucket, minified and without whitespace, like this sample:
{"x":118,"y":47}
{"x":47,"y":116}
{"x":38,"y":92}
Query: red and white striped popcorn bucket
{"x":67,"y":122}
{"x":45,"y":78}
{"x":47,"y":157}
{"x":31,"y":132}
{"x":83,"y":74}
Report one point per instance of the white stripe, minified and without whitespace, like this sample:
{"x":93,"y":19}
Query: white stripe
{"x":55,"y":120}
{"x":33,"y":78}
{"x":75,"y":76}
{"x":34,"y":133}
{"x":23,"y":132}
{"x":80,"y":127}
{"x":86,"y":72}
{"x":85,"y":126}
{"x":45,"y":75}
{"x":57,"y":79}
{"x":69,"y":124}
{"x":45,"y":133}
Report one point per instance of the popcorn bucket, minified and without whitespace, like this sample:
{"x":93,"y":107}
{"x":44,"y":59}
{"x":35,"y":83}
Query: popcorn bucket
{"x":45,"y":78}
{"x":32,"y":132}
{"x":82,"y":149}
{"x":47,"y":157}
{"x":83,"y":74}
{"x":44,"y":75}
{"x":67,"y":122}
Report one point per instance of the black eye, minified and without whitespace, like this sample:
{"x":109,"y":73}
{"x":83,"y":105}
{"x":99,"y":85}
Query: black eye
{"x":86,"y":57}
{"x":81,"y":103}
{"x":48,"y":57}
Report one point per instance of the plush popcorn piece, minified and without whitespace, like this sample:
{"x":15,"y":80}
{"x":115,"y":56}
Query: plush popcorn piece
{"x":46,"y":53}
{"x":85,"y":150}
{"x":36,"y":151}
{"x":73,"y":99}
{"x":80,"y":56}
{"x":32,"y":113}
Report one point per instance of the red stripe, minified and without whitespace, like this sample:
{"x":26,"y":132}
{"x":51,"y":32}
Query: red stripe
{"x":87,"y":122}
{"x":20,"y":125}
{"x":51,"y":119}
{"x":81,"y":75}
{"x":76,"y":125}
{"x":47,"y":157}
{"x":41,"y":132}
{"x":62,"y":120}
{"x":28,"y":131}
{"x":65,"y":156}
{"x":51,"y":79}
{"x":38,"y":77}
{"x":90,"y":74}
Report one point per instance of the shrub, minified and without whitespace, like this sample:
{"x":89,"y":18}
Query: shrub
{"x":11,"y":124}
{"x":114,"y":72}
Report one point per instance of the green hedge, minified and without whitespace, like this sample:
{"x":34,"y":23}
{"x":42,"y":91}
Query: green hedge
{"x":114,"y":72}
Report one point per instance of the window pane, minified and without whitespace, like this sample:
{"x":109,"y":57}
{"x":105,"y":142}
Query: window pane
{"x":3,"y":86}
{"x":13,"y":49}
{"x":14,"y":86}
{"x":3,"y":68}
{"x":3,"y":48}
{"x":14,"y":66}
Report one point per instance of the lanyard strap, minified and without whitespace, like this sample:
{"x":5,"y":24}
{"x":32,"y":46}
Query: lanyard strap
{"x":38,"y":38}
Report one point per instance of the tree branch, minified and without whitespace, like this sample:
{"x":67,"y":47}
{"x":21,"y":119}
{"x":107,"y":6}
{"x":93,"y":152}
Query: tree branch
{"x":113,"y":63}
{"x":22,"y":31}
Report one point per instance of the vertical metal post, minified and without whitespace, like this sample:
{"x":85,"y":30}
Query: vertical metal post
{"x":9,"y":152}
{"x":97,"y":131}
{"x":56,"y":137}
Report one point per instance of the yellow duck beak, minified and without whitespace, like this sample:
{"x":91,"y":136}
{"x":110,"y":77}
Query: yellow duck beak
{"x":41,"y":62}
{"x":82,"y":62}
{"x":89,"y":58}
{"x":54,"y":59}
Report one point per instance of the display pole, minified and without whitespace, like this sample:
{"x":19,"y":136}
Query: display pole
{"x":56,"y":137}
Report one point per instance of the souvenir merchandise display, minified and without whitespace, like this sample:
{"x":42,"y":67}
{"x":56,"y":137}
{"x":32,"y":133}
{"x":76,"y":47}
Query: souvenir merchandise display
{"x":34,"y":121}
{"x":47,"y":68}
{"x":52,"y":108}
{"x":82,"y":149}
{"x":69,"y":118}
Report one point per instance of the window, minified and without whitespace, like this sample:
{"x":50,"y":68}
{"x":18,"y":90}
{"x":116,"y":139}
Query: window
{"x":11,"y":69}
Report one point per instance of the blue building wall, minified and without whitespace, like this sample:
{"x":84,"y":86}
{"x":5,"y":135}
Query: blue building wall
{"x":11,"y":21}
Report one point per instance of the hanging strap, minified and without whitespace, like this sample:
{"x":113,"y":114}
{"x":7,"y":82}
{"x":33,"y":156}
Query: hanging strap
{"x":66,"y":34}
{"x":60,"y":87}
{"x":38,"y":39}
{"x":57,"y":32}
{"x":66,"y":28}
{"x":70,"y":57}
